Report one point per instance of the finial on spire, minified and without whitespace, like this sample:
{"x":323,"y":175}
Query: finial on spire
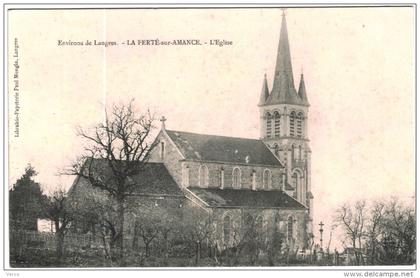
{"x":301,"y":70}
{"x":163,"y":120}
{"x":283,"y":12}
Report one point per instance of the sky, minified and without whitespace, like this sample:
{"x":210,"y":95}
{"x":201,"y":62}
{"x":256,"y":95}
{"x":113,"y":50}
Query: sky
{"x":358,"y":65}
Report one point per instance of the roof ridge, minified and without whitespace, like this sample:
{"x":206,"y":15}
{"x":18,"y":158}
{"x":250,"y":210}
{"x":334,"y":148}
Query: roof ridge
{"x":145,"y":162}
{"x":215,"y":135}
{"x":241,"y":189}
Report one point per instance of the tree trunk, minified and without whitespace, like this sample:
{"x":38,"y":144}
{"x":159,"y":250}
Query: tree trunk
{"x":135,"y":244}
{"x":59,"y":247}
{"x":119,"y":236}
{"x":372,"y":259}
{"x":103,"y":236}
{"x":59,"y":238}
{"x":166,"y":249}
{"x":197,"y":252}
{"x":113,"y":245}
{"x":147,"y":243}
{"x":356,"y":254}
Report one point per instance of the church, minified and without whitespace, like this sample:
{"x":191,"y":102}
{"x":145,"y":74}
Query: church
{"x":240,"y":180}
{"x":268,"y":178}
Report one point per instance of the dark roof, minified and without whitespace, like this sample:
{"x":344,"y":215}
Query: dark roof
{"x":152,"y":179}
{"x":216,"y":197}
{"x":155,"y":179}
{"x":222,"y":149}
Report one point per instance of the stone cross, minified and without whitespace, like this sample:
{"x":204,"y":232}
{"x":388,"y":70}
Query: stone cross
{"x":321,"y":230}
{"x":163,"y":120}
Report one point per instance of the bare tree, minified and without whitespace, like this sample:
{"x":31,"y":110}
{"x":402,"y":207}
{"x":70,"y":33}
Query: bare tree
{"x":399,"y":233}
{"x":56,"y":209}
{"x":255,"y":236}
{"x":249,"y":238}
{"x":118,"y":149}
{"x":374,"y":229}
{"x":198,"y":229}
{"x":385,"y":230}
{"x":155,"y":225}
{"x":148,"y":231}
{"x":275,"y":246}
{"x":93,"y":211}
{"x":352,"y":220}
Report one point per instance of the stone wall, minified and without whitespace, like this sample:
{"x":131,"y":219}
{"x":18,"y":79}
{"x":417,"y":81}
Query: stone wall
{"x":171,"y":157}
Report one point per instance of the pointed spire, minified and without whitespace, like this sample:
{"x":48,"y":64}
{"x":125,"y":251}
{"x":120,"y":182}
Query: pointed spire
{"x":283,"y":87}
{"x":264,"y":91}
{"x":302,"y":91}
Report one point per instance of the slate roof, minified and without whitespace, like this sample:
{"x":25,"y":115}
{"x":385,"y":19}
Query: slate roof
{"x":229,"y":198}
{"x":223,"y":149}
{"x":153,"y":179}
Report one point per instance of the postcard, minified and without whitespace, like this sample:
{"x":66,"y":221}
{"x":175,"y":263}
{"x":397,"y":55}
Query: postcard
{"x":210,"y":137}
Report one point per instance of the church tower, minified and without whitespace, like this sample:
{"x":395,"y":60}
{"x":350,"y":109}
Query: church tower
{"x":284,"y":124}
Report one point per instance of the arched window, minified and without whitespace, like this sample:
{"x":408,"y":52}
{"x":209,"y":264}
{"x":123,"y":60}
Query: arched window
{"x":293,"y":152}
{"x":276,"y":124}
{"x":296,"y":152}
{"x":290,"y":228}
{"x":254,"y":180}
{"x":292,"y":123}
{"x":185,"y":175}
{"x":222,"y":178}
{"x":299,"y":125}
{"x":226,"y":228}
{"x":277,"y":223}
{"x":295,"y":179}
{"x":162,"y":150}
{"x":268,"y":124}
{"x":236,"y":178}
{"x":277,"y":219}
{"x":259,"y":225}
{"x":203,"y":173}
{"x":283,"y":180}
{"x":267,"y":179}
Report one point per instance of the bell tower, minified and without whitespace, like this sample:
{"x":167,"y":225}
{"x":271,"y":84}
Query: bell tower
{"x":284,"y":124}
